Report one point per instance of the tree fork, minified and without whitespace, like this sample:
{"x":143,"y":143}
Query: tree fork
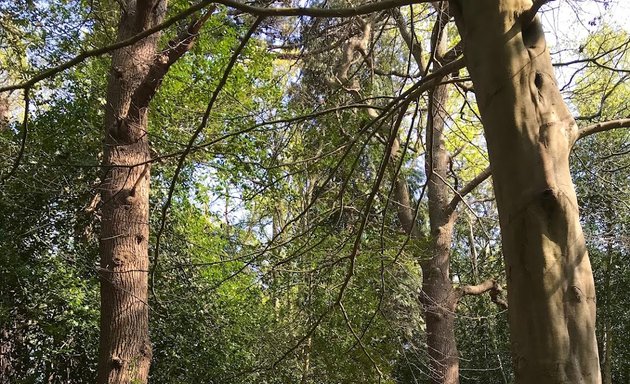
{"x":125,"y":350}
{"x":136,"y":73}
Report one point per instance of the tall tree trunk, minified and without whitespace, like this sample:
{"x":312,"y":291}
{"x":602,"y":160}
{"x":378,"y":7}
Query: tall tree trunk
{"x":439,"y":299}
{"x":125,"y":349}
{"x":530,"y":132}
{"x":437,"y":287}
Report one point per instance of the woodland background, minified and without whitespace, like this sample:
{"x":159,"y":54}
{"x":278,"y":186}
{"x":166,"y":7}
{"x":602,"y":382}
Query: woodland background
{"x":280,"y":191}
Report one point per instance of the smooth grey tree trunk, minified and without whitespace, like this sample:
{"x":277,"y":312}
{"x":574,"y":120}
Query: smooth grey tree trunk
{"x":530,"y":132}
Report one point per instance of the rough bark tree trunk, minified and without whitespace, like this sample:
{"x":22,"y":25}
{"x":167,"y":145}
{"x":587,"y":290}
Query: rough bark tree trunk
{"x":530,"y":132}
{"x":135,"y":76}
{"x":125,"y":349}
{"x":437,"y":287}
{"x":439,"y":298}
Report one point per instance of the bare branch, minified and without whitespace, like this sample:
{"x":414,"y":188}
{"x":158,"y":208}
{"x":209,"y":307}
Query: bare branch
{"x":623,"y":46}
{"x":319,"y":12}
{"x":412,"y":43}
{"x":288,"y":55}
{"x":474,"y":183}
{"x":434,"y":78}
{"x":176,"y":48}
{"x":602,"y":127}
{"x":355,"y":44}
{"x":528,"y":16}
{"x":479,"y":289}
{"x":438,"y":37}
{"x":395,"y":74}
{"x":490,"y":286}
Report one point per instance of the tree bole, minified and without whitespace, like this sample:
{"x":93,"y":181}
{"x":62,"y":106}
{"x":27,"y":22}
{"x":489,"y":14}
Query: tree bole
{"x":437,"y":287}
{"x":125,"y":348}
{"x":530,"y":132}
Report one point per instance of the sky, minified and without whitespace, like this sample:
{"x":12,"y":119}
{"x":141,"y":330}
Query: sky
{"x":573,"y":20}
{"x":568,"y":23}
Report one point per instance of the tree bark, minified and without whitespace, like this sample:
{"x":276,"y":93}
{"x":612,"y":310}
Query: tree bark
{"x":530,"y":131}
{"x":438,"y":297}
{"x":125,"y":349}
{"x":437,"y":287}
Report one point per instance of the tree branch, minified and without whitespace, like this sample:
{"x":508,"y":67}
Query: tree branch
{"x":176,"y":48}
{"x":476,"y":290}
{"x":528,"y":16}
{"x":355,"y":44}
{"x":302,"y":53}
{"x":474,"y":183}
{"x":433,"y":79}
{"x":394,"y":73}
{"x":438,"y":40}
{"x":602,"y":127}
{"x":490,"y":286}
{"x":319,"y":12}
{"x":412,"y":43}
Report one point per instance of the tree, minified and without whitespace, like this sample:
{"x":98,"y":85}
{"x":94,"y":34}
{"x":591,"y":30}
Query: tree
{"x":439,"y":295}
{"x":125,"y":349}
{"x":136,"y":73}
{"x":530,"y":133}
